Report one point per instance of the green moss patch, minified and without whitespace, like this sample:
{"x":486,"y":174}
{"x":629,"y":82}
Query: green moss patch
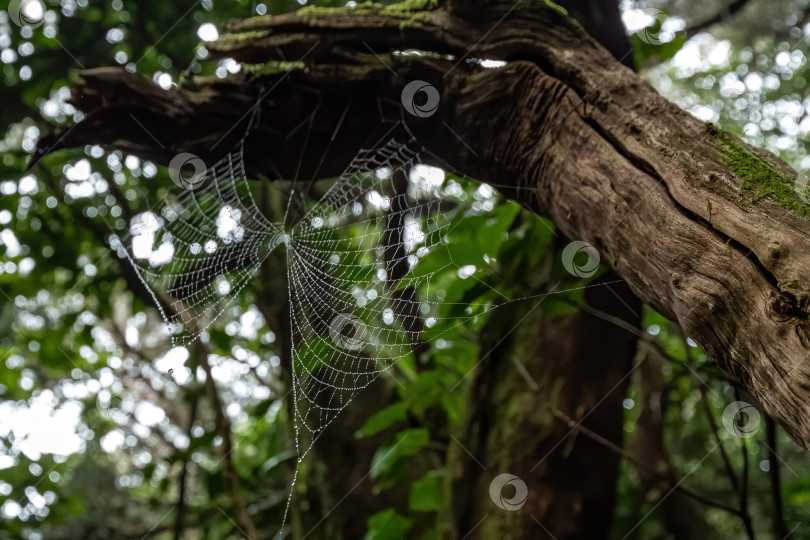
{"x":400,"y":9}
{"x":556,"y":6}
{"x":236,"y":38}
{"x":760,"y":179}
{"x":271,"y":68}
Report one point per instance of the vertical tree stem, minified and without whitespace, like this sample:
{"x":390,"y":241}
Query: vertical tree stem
{"x":746,"y":517}
{"x":779,"y":528}
{"x":223,"y":428}
{"x":179,"y":523}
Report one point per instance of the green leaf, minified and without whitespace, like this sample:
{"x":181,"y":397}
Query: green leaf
{"x":384,"y":419}
{"x":387,"y":525}
{"x":648,"y":50}
{"x":204,"y":441}
{"x":407,"y":443}
{"x":490,"y":235}
{"x":427,"y":493}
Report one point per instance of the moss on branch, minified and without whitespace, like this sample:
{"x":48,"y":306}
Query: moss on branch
{"x":556,"y":6}
{"x":271,"y":68}
{"x":236,"y":38}
{"x":406,"y":8}
{"x":761,"y":179}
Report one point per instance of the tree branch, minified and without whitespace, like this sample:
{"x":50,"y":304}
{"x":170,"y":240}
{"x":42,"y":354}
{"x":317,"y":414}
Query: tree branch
{"x":721,"y":16}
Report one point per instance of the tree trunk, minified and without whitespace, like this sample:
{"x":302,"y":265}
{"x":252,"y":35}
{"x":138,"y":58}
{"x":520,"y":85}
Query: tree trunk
{"x":602,"y":19}
{"x":507,"y":398}
{"x":579,"y":365}
{"x":682,"y":517}
{"x":708,"y":230}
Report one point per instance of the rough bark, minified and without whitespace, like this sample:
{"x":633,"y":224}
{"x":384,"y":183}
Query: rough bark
{"x":703,"y":227}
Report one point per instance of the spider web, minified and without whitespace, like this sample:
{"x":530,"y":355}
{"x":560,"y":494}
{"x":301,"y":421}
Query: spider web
{"x":359,"y":298}
{"x":352,"y":316}
{"x":198,"y":248}
{"x":351,"y":261}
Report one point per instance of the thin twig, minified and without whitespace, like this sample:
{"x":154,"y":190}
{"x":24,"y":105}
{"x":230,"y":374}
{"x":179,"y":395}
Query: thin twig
{"x":713,"y":423}
{"x":743,"y":491}
{"x":643,"y":336}
{"x":649,"y":468}
{"x":721,"y":16}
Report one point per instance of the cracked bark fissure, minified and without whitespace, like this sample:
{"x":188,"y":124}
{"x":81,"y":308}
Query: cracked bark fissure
{"x":563,"y":127}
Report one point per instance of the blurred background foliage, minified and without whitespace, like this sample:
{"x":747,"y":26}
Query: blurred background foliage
{"x":106,"y":431}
